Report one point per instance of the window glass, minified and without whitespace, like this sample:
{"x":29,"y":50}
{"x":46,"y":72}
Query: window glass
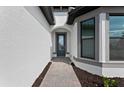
{"x":88,"y":38}
{"x":116,"y":34}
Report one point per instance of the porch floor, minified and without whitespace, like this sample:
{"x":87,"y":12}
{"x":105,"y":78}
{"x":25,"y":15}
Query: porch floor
{"x":60,"y":74}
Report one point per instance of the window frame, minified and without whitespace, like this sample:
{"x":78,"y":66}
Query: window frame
{"x":81,"y":40}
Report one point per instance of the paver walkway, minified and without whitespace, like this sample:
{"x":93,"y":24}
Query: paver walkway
{"x":60,"y":74}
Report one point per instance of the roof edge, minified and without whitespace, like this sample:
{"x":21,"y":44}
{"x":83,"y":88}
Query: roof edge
{"x":78,"y":12}
{"x":48,"y":13}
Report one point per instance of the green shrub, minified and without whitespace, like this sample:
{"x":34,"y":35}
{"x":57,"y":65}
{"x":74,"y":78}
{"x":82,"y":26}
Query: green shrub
{"x":109,"y":82}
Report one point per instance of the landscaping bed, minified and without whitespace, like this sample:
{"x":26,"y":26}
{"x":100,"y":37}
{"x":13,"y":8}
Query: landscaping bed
{"x":41,"y":76}
{"x":90,"y":80}
{"x":86,"y":79}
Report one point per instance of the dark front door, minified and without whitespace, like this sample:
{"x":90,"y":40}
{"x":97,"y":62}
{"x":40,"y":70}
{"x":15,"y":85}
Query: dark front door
{"x":61,"y":44}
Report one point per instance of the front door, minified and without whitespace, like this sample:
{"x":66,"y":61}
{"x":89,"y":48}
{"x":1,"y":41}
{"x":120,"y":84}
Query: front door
{"x":61,"y":44}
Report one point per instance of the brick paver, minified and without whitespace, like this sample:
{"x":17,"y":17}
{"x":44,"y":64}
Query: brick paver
{"x":60,"y":74}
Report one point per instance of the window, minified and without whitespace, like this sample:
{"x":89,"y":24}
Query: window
{"x":88,"y":38}
{"x":116,"y":35}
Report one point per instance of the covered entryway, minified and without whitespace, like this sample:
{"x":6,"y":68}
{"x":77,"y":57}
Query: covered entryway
{"x":60,"y":42}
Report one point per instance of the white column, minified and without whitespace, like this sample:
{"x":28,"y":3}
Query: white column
{"x":102,"y":37}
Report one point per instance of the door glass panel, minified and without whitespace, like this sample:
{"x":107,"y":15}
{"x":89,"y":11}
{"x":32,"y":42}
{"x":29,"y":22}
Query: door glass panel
{"x":61,"y":45}
{"x":61,"y":42}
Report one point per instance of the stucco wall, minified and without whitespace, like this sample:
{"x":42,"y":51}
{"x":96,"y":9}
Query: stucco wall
{"x":38,"y":15}
{"x":60,"y":18}
{"x":108,"y":68}
{"x":24,"y":46}
{"x":74,"y":41}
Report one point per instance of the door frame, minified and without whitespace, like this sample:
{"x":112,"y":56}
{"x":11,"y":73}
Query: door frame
{"x":65,"y":41}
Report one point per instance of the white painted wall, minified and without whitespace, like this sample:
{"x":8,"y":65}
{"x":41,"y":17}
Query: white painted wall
{"x":24,"y":45}
{"x":60,"y":21}
{"x":60,"y":18}
{"x":113,"y":72}
{"x":102,"y":37}
{"x":38,"y":15}
{"x":74,"y":40}
{"x":89,"y":68}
